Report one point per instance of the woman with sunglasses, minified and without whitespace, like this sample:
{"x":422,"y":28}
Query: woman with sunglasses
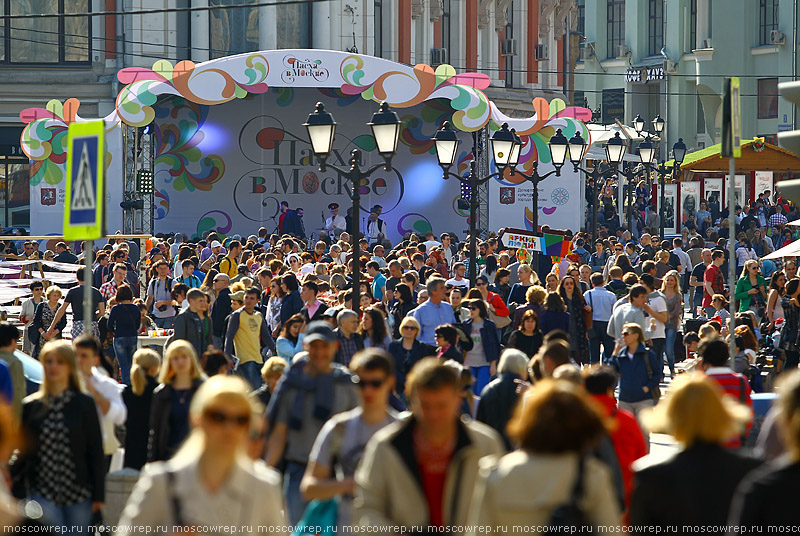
{"x":640,"y":372}
{"x":482,"y":357}
{"x":751,"y":289}
{"x":407,"y":351}
{"x":578,"y":311}
{"x":211,"y":481}
{"x":340,"y":443}
{"x":179,"y":378}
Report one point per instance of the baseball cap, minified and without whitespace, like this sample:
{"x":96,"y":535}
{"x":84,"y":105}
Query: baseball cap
{"x":320,"y":331}
{"x":216,"y":244}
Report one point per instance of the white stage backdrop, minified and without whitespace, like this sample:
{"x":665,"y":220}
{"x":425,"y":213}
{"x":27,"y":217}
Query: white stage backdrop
{"x":48,"y":190}
{"x":560,"y":203}
{"x":228,"y":167}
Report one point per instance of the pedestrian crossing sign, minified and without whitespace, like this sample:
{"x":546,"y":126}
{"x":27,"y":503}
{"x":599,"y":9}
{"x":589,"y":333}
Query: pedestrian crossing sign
{"x":85,"y":193}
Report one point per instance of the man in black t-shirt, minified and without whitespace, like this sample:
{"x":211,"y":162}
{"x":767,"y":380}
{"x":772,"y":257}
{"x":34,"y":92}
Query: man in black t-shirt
{"x":74,"y":298}
{"x":696,"y":279}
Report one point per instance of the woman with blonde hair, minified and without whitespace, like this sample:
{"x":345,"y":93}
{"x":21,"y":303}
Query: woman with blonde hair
{"x":210,"y":482}
{"x":702,"y":476}
{"x":62,"y":465}
{"x":555,"y":426}
{"x":43,"y":316}
{"x":671,"y":289}
{"x":179,"y":378}
{"x":138,"y":397}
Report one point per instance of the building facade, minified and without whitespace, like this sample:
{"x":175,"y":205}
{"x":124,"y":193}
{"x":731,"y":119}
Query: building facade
{"x":670,"y":57}
{"x":526,"y":46}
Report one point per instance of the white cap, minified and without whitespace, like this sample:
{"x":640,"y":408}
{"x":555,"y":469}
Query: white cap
{"x":216,"y":244}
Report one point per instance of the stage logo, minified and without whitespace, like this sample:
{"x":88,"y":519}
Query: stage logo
{"x":295,"y":68}
{"x":507,"y":196}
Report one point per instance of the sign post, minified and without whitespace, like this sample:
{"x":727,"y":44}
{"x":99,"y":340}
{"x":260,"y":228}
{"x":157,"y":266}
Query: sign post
{"x":731,"y":148}
{"x":84,"y":217}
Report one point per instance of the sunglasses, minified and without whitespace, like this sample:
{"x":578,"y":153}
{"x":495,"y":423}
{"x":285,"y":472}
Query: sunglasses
{"x":412,"y":328}
{"x":293,"y":261}
{"x":375,"y":384}
{"x":480,"y":284}
{"x":219,"y":417}
{"x":626,"y":333}
{"x":467,"y":387}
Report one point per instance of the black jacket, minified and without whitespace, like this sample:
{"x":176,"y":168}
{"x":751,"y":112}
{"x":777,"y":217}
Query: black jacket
{"x":158,"y":441}
{"x":137,"y":425}
{"x":220,"y":310}
{"x":699,"y":481}
{"x":317,"y":315}
{"x":767,"y":496}
{"x":490,"y":338}
{"x":86,"y":443}
{"x":291,"y":305}
{"x":189,"y":327}
{"x":38,"y":324}
{"x":497,"y":403}
{"x":404,"y":363}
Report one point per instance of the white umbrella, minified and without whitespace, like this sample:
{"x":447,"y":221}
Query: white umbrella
{"x":794,"y":223}
{"x":792,"y":250}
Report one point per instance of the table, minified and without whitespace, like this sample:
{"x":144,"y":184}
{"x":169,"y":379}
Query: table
{"x":143,"y":340}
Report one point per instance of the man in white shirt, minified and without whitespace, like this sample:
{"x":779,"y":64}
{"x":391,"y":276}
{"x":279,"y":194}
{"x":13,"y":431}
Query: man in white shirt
{"x":459,"y":270}
{"x":335,"y":224}
{"x":431,"y":242}
{"x":686,"y":262}
{"x":657,"y":310}
{"x":376,"y":227}
{"x":27,"y":312}
{"x":106,"y":392}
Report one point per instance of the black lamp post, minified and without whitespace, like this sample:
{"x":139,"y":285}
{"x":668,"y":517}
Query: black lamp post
{"x":385,"y":127}
{"x":678,"y":154}
{"x":506,"y":147}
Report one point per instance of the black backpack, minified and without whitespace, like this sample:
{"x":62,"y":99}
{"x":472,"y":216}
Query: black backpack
{"x":570,"y":517}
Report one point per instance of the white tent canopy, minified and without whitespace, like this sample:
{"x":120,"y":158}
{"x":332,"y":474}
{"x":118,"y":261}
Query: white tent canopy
{"x":792,"y":250}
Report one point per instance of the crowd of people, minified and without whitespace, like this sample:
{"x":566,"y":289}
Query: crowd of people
{"x":434,"y":400}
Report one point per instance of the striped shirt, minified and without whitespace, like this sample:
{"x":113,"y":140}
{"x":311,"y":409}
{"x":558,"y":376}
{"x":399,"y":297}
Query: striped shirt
{"x":736,"y":386}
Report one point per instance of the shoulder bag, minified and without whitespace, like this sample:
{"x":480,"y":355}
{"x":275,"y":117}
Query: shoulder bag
{"x":656,"y":393}
{"x":570,"y":517}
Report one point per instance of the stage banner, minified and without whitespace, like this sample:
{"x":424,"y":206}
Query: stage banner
{"x":669,"y":210}
{"x":227,"y":168}
{"x":738,"y":185}
{"x":712,"y":190}
{"x":764,"y":183}
{"x":560,"y":207}
{"x":48,"y":186}
{"x":690,"y":200}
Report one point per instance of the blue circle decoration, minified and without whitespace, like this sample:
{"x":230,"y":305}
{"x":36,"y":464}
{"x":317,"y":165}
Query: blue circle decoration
{"x":560,"y":196}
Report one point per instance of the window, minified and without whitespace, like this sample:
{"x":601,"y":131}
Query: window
{"x":445,"y":26}
{"x":767,"y":19}
{"x":767,"y":98}
{"x":582,"y":17}
{"x":692,"y":24}
{"x":615,"y":23}
{"x":509,"y":34}
{"x":47,"y":39}
{"x":233,"y":30}
{"x":656,"y":26}
{"x":294,"y":25}
{"x":379,"y":28}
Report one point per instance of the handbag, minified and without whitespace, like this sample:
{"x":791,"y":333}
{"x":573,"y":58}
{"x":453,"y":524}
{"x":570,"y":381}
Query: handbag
{"x":656,"y":392}
{"x":320,"y":518}
{"x":587,"y":317}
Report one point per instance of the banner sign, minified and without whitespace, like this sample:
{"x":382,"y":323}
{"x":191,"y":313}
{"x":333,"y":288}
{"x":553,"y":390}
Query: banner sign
{"x":668,"y":211}
{"x":552,"y":245}
{"x":764,"y":182}
{"x":712,"y":190}
{"x":690,"y":200}
{"x":738,"y":184}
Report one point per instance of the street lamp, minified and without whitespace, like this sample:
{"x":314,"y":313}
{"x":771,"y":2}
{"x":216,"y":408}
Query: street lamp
{"x":678,"y":153}
{"x":506,"y":149}
{"x":638,"y":124}
{"x":658,"y":125}
{"x":385,"y":127}
{"x":577,"y":150}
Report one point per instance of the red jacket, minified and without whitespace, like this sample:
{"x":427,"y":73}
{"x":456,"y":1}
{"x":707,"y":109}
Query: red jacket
{"x":500,"y":308}
{"x":737,"y":387}
{"x":627,"y":438}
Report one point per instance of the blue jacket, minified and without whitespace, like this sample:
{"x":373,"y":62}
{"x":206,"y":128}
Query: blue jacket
{"x":6,"y":387}
{"x":291,"y":305}
{"x":633,"y":374}
{"x":490,"y":338}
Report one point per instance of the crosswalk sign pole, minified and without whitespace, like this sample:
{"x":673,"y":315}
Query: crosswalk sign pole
{"x":84,"y":217}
